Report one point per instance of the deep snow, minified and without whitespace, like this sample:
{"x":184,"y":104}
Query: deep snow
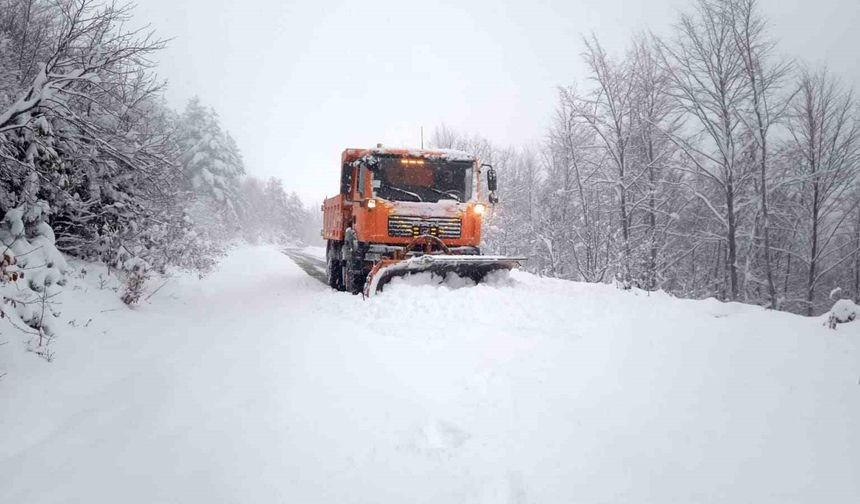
{"x":258,"y":384}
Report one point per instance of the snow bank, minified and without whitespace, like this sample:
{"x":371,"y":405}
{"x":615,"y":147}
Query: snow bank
{"x":259,"y":384}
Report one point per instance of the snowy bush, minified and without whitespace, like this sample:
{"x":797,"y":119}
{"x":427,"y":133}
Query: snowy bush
{"x":843,"y":311}
{"x":137,"y":272}
{"x":33,"y":271}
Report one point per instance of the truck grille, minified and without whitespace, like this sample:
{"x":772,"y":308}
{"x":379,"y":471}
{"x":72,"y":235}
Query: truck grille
{"x":404,"y":225}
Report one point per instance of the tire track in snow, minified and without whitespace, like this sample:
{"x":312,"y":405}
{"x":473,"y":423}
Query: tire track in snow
{"x":311,"y":265}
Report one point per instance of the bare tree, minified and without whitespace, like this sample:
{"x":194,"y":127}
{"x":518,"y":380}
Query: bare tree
{"x":709,"y":86}
{"x":577,"y":220}
{"x":826,"y":140}
{"x":764,"y":81}
{"x":653,"y":118}
{"x":608,"y":110}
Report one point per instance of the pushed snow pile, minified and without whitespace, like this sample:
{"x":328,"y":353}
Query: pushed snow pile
{"x":842,"y":311}
{"x":260,"y":384}
{"x":447,"y":282}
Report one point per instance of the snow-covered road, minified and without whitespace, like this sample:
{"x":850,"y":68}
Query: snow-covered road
{"x":258,"y":384}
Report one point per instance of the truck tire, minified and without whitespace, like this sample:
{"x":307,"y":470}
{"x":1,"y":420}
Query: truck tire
{"x":354,"y":273}
{"x":334,"y":265}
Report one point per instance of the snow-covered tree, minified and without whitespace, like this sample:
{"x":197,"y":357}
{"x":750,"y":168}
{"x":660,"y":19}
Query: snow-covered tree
{"x":212,"y":165}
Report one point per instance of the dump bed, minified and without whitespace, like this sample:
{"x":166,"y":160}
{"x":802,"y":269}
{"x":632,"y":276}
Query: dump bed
{"x":333,"y":217}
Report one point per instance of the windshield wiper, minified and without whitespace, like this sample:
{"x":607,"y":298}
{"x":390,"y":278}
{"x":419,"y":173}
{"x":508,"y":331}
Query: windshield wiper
{"x":443,"y":193}
{"x":404,"y":191}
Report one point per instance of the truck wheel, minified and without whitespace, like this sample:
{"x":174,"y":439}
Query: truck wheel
{"x":354,"y":274}
{"x":333,"y":265}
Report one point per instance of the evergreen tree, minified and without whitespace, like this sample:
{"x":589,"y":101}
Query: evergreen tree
{"x":212,"y":166}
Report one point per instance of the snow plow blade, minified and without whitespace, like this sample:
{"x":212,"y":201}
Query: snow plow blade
{"x":475,"y":267}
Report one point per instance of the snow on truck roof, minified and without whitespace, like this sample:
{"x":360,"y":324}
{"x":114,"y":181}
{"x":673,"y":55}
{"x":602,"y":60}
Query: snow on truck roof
{"x":351,"y":155}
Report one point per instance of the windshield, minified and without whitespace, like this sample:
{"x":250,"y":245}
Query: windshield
{"x":401,"y":179}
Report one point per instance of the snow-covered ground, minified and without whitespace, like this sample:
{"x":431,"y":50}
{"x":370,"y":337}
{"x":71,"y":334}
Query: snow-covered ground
{"x":258,"y":384}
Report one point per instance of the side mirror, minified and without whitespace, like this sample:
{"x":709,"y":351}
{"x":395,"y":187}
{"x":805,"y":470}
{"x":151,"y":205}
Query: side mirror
{"x":492,"y":182}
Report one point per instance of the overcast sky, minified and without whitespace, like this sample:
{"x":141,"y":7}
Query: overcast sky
{"x":296,"y":82}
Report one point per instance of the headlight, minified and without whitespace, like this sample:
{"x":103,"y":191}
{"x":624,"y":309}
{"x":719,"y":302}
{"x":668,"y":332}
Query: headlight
{"x":371,"y":203}
{"x":480,"y":208}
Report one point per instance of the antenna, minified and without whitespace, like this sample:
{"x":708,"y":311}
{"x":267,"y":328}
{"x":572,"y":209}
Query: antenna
{"x":422,"y":137}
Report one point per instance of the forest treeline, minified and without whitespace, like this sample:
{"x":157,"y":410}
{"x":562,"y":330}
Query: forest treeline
{"x":702,"y":162}
{"x":96,"y":165}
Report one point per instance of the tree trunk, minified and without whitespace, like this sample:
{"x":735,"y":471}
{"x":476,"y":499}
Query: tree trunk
{"x":652,"y":219}
{"x":813,"y":253}
{"x":731,"y":243}
{"x":771,"y":287}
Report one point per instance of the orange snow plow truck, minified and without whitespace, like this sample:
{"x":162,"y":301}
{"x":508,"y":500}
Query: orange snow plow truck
{"x":401,"y":212}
